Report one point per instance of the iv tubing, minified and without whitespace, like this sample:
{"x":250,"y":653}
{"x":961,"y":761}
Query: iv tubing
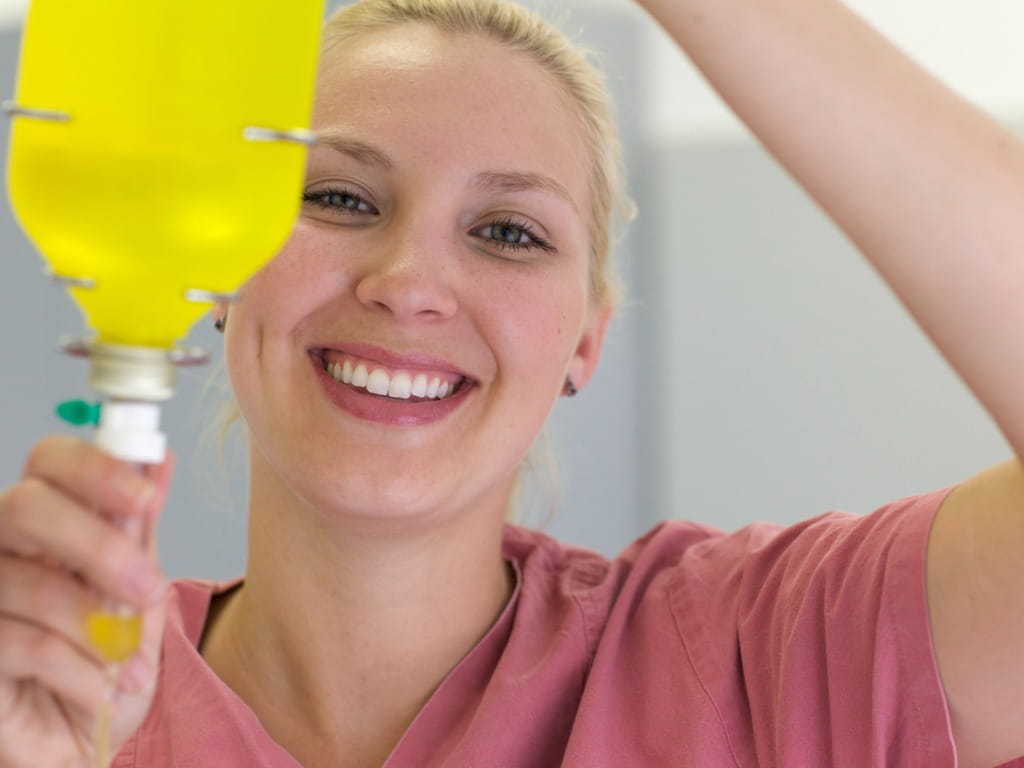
{"x":128,"y":430}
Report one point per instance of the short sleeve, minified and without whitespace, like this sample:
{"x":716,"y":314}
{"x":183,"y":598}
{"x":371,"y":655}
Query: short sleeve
{"x":814,"y":641}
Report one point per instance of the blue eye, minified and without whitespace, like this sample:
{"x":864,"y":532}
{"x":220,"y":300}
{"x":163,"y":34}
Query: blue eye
{"x":514,"y":235}
{"x":338,"y":201}
{"x":509,"y":234}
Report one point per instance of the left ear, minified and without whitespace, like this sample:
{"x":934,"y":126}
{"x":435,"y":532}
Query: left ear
{"x":584,"y":360}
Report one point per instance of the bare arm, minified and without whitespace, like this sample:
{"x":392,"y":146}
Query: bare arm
{"x":931,"y":190}
{"x":977,"y":613}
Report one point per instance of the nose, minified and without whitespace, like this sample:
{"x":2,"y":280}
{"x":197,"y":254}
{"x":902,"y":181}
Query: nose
{"x":410,"y":277}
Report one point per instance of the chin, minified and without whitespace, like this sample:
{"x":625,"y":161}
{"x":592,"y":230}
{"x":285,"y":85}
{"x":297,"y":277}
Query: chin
{"x":393,"y":505}
{"x":378,"y":492}
{"x":404,"y":503}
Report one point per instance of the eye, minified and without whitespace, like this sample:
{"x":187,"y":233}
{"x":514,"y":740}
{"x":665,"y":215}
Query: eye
{"x":338,"y":200}
{"x":515,"y":235}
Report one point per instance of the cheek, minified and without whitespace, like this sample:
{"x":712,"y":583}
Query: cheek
{"x":271,"y":299}
{"x":301,"y":258}
{"x":296,"y":278}
{"x":538,"y":323}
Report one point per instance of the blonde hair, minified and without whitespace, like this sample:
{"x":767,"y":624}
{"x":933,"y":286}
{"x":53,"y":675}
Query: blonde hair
{"x":525,"y":31}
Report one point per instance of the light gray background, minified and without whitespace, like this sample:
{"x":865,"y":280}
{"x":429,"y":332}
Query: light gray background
{"x":759,"y":370}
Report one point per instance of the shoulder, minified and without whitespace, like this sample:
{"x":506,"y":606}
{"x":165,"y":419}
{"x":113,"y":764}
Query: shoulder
{"x":680,"y":553}
{"x":575,"y":593}
{"x":822,"y":548}
{"x":796,"y":627}
{"x":577,"y":571}
{"x":759,"y":641}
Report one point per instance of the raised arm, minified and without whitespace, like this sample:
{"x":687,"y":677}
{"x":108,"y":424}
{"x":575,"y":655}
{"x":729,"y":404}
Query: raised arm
{"x":931,"y":190}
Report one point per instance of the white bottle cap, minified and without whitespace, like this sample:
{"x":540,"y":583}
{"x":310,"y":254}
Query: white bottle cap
{"x":131,"y":431}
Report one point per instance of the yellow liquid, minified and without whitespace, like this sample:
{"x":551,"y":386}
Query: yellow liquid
{"x":114,"y":637}
{"x":150,"y":189}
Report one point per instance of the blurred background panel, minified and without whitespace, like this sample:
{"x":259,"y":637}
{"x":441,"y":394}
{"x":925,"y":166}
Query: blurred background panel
{"x":758,"y":370}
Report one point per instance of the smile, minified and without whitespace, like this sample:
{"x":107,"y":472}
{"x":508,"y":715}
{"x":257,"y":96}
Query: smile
{"x":419,"y":384}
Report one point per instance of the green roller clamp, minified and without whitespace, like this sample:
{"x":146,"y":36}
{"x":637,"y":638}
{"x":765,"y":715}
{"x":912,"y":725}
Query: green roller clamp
{"x":79,"y":412}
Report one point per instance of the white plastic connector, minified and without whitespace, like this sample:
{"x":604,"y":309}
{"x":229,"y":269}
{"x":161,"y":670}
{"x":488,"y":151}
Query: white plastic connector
{"x":131,"y":431}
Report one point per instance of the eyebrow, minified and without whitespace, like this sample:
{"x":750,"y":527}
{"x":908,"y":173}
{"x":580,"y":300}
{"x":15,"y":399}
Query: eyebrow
{"x":357,"y":150}
{"x":509,"y":181}
{"x":515,"y":181}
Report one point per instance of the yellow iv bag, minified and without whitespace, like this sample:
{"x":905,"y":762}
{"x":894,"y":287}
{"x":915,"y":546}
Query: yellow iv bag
{"x":149,"y":189}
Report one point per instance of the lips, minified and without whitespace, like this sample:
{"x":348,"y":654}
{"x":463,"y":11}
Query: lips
{"x":381,"y":386}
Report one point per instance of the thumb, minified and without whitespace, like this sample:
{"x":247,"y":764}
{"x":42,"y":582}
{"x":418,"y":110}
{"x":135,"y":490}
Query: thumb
{"x":137,"y":679}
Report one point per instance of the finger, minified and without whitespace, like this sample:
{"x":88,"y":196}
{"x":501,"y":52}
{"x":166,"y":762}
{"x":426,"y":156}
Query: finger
{"x":37,"y":520}
{"x":37,"y":729}
{"x":139,"y":673}
{"x":50,"y":599}
{"x":29,"y":653}
{"x":160,"y":476}
{"x":54,"y":601}
{"x":93,"y":477}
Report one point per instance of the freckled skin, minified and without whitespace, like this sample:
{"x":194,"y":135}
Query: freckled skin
{"x":419,"y":276}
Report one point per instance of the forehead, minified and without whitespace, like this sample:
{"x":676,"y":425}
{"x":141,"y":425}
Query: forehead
{"x":459,"y":99}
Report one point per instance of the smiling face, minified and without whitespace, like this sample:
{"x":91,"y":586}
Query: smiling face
{"x":439,"y":270}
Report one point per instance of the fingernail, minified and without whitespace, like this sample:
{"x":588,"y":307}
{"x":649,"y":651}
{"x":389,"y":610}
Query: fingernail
{"x":157,"y":595}
{"x":148,"y":587}
{"x":135,"y":491}
{"x":135,"y":675}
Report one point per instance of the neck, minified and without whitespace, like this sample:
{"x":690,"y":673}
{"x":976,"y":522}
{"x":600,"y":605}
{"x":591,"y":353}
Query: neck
{"x":340,"y":623}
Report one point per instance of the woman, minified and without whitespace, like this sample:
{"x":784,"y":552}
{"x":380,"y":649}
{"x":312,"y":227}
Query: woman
{"x":446,"y":282}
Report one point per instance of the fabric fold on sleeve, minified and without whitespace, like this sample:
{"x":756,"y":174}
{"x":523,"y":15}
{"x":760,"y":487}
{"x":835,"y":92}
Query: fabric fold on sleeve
{"x":832,"y":661}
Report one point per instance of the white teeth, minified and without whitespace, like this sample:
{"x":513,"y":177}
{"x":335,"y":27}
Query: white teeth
{"x":378,"y":382}
{"x":401,"y":386}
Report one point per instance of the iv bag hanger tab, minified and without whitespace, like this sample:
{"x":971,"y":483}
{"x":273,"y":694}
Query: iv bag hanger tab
{"x":67,"y":281}
{"x":297,"y":136}
{"x":13,"y":109}
{"x":252,"y":133}
{"x":202,"y":296}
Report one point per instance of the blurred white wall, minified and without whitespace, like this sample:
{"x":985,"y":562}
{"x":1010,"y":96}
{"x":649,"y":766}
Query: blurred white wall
{"x":12,"y":11}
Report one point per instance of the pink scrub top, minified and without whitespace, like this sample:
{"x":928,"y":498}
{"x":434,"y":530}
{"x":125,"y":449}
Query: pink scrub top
{"x":799,"y":647}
